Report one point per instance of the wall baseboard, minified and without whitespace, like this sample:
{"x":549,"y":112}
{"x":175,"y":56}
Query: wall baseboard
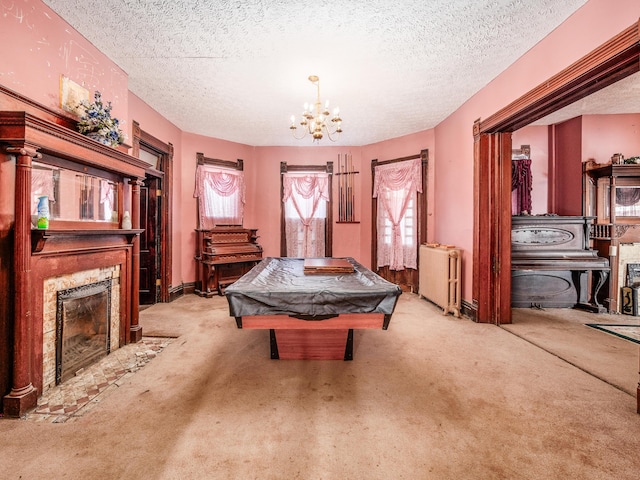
{"x":181,"y":290}
{"x":469,"y":310}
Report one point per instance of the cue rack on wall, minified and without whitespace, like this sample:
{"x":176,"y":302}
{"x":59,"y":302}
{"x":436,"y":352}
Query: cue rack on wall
{"x":346,"y":189}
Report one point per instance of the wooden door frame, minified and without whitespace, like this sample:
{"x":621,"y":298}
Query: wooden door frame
{"x":612,"y":61}
{"x":165,"y":150}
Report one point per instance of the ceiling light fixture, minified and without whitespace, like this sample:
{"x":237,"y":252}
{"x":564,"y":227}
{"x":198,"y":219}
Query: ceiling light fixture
{"x":315,"y":119}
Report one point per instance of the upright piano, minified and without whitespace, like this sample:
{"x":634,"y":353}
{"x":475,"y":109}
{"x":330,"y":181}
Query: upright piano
{"x":552,"y":264}
{"x":223,"y":255}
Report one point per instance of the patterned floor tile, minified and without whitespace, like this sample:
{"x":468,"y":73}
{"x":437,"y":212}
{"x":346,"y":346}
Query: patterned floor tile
{"x":76,"y":396}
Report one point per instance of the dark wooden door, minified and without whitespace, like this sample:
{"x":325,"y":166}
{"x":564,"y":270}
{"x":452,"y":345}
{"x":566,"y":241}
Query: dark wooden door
{"x":149,"y":239}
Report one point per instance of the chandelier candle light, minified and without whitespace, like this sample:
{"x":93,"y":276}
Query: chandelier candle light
{"x":315,"y":119}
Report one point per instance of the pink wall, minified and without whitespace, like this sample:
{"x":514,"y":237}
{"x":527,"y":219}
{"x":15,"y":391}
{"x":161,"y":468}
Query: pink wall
{"x":589,"y":27}
{"x":353,"y":240}
{"x":264,"y":201}
{"x":37,"y":47}
{"x":600,"y":137}
{"x":537,"y":138}
{"x":262,"y":176}
{"x":604,"y":135}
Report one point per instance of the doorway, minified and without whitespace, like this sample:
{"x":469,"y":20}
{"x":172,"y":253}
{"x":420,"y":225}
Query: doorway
{"x":612,"y":61}
{"x":150,"y":245}
{"x":155,"y":217}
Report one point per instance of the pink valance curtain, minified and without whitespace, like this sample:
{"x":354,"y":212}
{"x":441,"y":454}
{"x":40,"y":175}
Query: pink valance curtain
{"x":221,"y":194}
{"x":521,"y":185}
{"x":395,"y":185}
{"x":305,"y":191}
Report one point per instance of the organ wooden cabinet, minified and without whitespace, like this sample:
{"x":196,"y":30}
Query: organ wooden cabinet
{"x":223,"y":255}
{"x":611,"y":194}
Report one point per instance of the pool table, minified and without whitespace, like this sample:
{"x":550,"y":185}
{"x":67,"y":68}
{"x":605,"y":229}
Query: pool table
{"x":311,"y":315}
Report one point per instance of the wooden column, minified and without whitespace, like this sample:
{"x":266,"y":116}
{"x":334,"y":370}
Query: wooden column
{"x":135,"y":330}
{"x":23,"y":395}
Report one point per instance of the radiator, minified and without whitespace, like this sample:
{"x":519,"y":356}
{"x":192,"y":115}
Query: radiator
{"x":439,"y":275}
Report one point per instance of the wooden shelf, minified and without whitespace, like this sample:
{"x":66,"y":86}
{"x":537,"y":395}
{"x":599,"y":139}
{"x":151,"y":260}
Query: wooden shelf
{"x":40,"y":236}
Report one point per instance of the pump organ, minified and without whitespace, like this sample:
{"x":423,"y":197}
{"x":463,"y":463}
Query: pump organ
{"x":223,"y":255}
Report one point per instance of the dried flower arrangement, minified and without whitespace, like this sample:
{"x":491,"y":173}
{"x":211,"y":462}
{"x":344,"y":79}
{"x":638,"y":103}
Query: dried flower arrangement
{"x":96,"y":122}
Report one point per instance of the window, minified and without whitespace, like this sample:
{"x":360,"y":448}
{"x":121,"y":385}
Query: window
{"x":407,"y":226}
{"x":396,"y":186}
{"x":220,"y":193}
{"x":305,"y":198}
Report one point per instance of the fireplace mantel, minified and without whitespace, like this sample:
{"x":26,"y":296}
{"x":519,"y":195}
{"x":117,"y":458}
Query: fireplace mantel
{"x":28,"y":132}
{"x":40,"y":237}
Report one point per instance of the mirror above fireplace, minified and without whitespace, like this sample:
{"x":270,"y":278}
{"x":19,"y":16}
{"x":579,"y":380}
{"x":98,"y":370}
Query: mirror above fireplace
{"x":74,"y":195}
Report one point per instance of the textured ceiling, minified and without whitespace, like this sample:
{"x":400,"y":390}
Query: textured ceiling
{"x":621,"y":97}
{"x":237,"y":70}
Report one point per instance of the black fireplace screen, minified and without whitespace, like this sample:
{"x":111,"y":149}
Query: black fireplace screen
{"x":82,"y":327}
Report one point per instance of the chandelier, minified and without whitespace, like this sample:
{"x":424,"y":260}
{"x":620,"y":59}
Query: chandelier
{"x":315,"y":119}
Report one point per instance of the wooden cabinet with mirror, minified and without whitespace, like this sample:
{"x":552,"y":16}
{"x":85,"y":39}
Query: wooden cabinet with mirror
{"x":611,"y":194}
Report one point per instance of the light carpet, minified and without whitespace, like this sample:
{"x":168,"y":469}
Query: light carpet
{"x":433,"y":397}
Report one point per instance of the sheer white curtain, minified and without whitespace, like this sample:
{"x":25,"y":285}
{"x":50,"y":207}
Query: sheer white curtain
{"x":305,"y":197}
{"x":221,"y":196}
{"x":396,"y":186}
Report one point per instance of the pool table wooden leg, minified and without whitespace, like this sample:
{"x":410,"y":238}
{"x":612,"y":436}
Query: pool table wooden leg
{"x":348,"y":349}
{"x":274,"y":345}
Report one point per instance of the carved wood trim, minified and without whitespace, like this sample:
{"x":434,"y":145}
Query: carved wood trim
{"x":202,"y":160}
{"x":40,"y":237}
{"x":18,"y":128}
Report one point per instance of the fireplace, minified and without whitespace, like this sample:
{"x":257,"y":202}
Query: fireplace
{"x":82,"y":327}
{"x":41,"y":262}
